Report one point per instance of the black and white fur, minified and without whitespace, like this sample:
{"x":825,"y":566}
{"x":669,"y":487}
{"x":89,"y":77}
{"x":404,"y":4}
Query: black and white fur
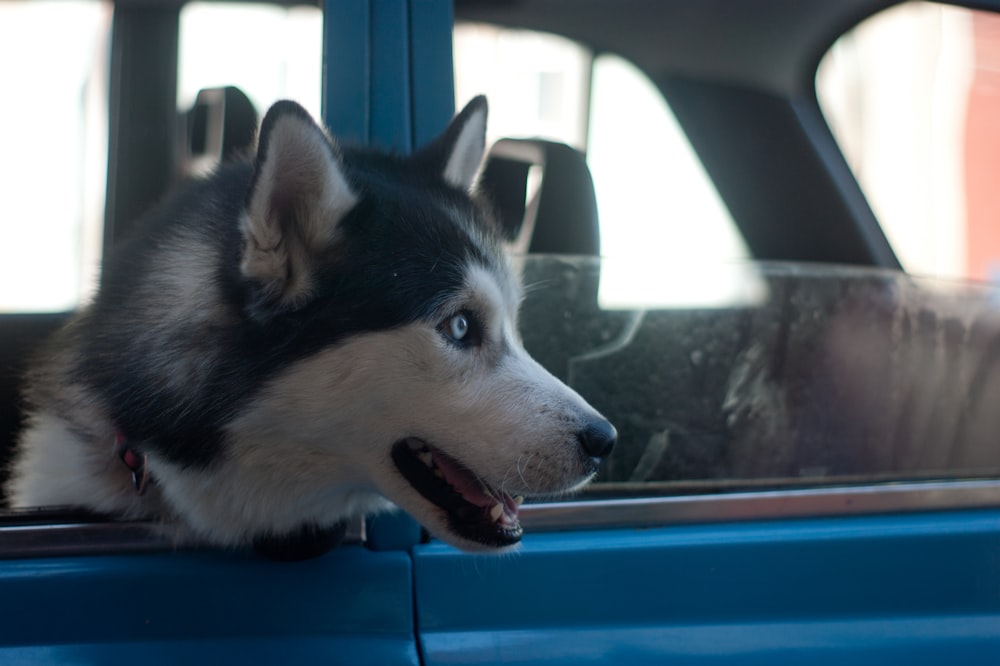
{"x":297,"y":338}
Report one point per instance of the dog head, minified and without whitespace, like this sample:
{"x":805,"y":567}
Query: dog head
{"x":416,"y":385}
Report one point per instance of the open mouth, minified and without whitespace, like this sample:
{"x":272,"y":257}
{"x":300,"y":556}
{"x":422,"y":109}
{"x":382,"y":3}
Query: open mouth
{"x":475,"y":511}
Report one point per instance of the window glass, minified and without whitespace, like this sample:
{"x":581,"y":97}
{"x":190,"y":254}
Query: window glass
{"x":537,"y":83}
{"x":53,"y":133}
{"x":912,"y":95}
{"x":657,"y":205}
{"x":835,"y":375}
{"x":274,"y":52}
{"x":655,"y":201}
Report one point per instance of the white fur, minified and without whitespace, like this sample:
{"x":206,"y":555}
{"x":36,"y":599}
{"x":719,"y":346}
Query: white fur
{"x":52,"y":463}
{"x":58,"y":468}
{"x":463,"y":164}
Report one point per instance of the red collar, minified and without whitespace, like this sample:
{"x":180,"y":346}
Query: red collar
{"x":134,"y":461}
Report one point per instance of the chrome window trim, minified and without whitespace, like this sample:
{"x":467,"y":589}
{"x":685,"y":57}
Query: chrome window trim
{"x":78,"y":537}
{"x":70,"y":538}
{"x":81,"y":536}
{"x":761,"y":505}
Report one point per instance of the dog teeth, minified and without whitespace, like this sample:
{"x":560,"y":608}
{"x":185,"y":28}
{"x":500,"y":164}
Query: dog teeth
{"x":519,"y":500}
{"x":426,"y":458}
{"x":496,"y":512}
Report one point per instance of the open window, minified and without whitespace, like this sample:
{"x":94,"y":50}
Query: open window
{"x":53,"y":129}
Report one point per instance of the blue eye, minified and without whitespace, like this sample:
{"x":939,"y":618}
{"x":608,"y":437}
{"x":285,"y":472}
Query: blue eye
{"x":458,"y":327}
{"x":462,"y":329}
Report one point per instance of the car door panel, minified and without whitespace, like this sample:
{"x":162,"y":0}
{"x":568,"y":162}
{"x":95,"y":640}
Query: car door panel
{"x":160,"y":607}
{"x":914,"y":588}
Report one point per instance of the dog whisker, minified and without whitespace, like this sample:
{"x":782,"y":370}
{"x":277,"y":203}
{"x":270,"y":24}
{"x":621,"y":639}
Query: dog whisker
{"x":522,"y":468}
{"x":535,"y":286}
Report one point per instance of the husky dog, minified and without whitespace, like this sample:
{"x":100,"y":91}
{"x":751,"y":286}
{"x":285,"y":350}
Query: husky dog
{"x":293,"y":340}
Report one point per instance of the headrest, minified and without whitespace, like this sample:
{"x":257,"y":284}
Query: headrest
{"x":543,"y":194}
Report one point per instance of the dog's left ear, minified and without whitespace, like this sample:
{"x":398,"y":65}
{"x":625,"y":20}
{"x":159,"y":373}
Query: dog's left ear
{"x":458,"y":151}
{"x":298,"y":195}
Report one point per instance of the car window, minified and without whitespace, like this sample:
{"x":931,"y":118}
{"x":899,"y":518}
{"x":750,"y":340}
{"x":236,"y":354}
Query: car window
{"x":656,"y":204}
{"x":537,"y":83}
{"x":910,"y":95}
{"x":720,"y":374}
{"x":50,"y":243}
{"x":53,"y":130}
{"x":280,"y":52}
{"x":832,"y":375}
{"x":658,"y":207}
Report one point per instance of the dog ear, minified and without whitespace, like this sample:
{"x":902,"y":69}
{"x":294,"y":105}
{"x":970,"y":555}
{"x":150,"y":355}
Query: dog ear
{"x":297,"y":196}
{"x":458,"y":151}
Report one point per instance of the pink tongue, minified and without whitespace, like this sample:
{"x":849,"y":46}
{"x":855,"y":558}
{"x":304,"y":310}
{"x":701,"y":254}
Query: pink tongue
{"x":463,"y":481}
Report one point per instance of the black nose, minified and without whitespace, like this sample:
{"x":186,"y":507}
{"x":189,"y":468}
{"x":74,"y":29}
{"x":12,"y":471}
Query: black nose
{"x":598,"y":438}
